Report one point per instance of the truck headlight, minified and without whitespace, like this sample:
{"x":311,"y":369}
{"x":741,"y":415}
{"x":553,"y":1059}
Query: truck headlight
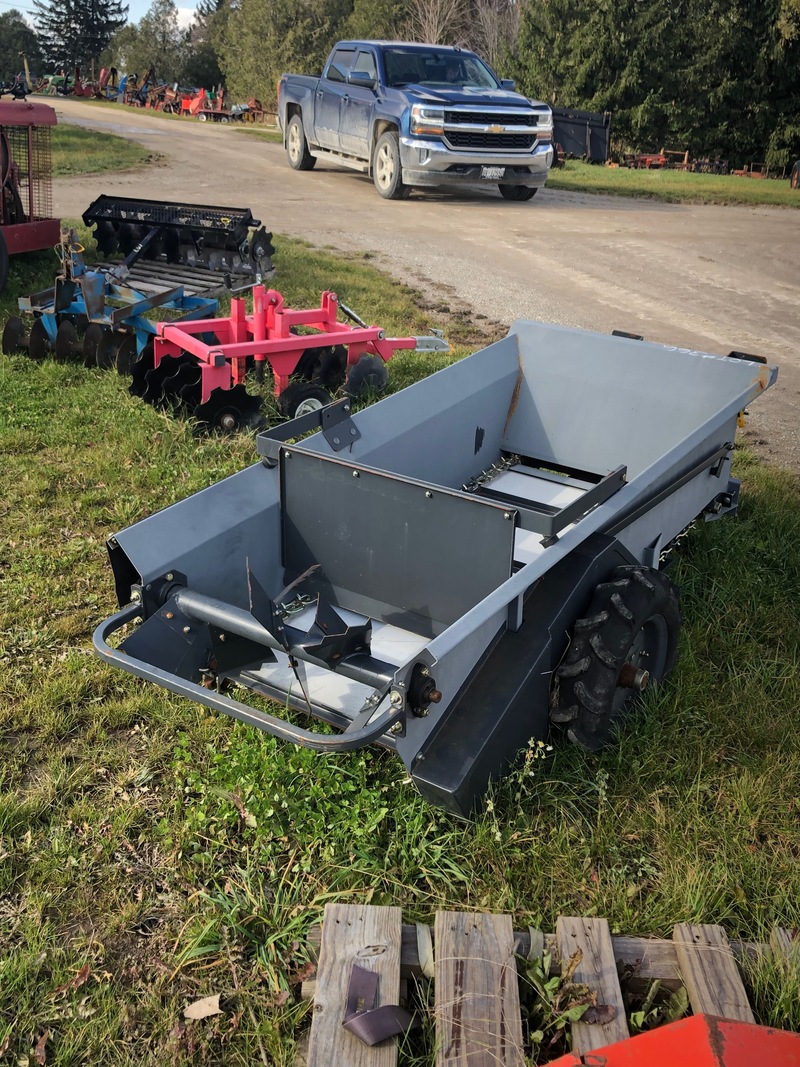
{"x":544,"y":127}
{"x":427,"y":121}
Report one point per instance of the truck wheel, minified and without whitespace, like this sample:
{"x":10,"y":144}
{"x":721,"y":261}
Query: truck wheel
{"x":794,"y":180}
{"x":386,"y":170}
{"x":517,"y":192}
{"x":299,"y":398}
{"x":3,"y":262}
{"x":297,"y":147}
{"x":628,"y":639}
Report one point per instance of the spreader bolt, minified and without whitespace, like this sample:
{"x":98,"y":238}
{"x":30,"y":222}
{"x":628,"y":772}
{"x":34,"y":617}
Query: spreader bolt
{"x":353,"y":431}
{"x":428,"y":494}
{"x":168,"y":615}
{"x":506,"y":514}
{"x":170,"y":576}
{"x":136,"y":596}
{"x":356,"y":474}
{"x":187,"y":629}
{"x":425,"y":672}
{"x":396,"y":699}
{"x":222,"y":637}
{"x":396,"y":729}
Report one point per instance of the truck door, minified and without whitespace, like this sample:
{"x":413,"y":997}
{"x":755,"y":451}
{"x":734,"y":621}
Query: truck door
{"x":357,"y":104}
{"x":330,"y":90}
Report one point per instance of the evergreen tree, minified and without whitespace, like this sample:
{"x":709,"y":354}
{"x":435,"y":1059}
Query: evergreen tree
{"x":265,"y":38}
{"x":206,"y":32}
{"x":17,"y":37}
{"x":74,"y":32}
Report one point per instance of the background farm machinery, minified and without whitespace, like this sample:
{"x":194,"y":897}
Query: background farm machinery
{"x":26,"y":199}
{"x":175,"y":257}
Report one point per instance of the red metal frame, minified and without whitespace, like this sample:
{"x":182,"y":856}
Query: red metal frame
{"x":266,"y":337}
{"x":700,"y":1041}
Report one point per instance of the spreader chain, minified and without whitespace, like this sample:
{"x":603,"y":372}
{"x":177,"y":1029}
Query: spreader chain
{"x":491,"y":472}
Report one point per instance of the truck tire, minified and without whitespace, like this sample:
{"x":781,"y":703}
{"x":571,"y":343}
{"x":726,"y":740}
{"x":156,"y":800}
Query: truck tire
{"x":3,"y":262}
{"x":633,"y":620}
{"x":297,"y":147}
{"x":517,"y":192}
{"x":794,"y":180}
{"x":387,"y":174}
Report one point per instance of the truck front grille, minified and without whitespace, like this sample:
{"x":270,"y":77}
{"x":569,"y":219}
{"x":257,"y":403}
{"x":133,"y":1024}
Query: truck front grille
{"x":485,"y":118}
{"x":469,"y":139}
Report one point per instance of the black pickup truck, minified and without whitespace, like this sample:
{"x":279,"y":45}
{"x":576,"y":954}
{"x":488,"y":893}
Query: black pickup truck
{"x":416,"y":115}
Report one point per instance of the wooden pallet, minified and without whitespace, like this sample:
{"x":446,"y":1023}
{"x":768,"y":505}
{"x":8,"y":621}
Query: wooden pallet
{"x":477,"y":1008}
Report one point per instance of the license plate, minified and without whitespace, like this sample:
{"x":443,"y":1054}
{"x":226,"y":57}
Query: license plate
{"x":493,"y":174}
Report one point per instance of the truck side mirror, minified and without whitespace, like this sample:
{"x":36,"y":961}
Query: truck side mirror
{"x":362,"y":78}
{"x":507,"y":83}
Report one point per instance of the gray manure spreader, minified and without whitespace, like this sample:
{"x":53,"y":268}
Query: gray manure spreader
{"x":447,"y":571}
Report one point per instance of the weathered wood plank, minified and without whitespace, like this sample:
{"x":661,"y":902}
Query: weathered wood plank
{"x":478,"y":1020}
{"x":370,"y":937}
{"x":647,"y":957}
{"x":710,"y":973}
{"x":598,"y":970}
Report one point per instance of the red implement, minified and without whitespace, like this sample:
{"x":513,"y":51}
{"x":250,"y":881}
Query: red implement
{"x":267,"y":336}
{"x":700,"y":1041}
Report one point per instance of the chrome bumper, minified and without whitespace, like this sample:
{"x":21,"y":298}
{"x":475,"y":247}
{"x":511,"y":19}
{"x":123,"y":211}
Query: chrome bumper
{"x":427,"y":162}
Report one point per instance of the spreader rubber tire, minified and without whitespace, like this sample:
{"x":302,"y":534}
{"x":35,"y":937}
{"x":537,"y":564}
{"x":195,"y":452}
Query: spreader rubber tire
{"x":633,"y":618}
{"x":368,"y":376}
{"x":517,"y":192}
{"x":297,"y":147}
{"x":3,"y":262}
{"x":794,"y":180}
{"x":300,"y":398}
{"x":387,"y":173}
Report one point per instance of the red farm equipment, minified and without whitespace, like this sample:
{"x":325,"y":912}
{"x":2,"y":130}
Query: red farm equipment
{"x":26,"y":198}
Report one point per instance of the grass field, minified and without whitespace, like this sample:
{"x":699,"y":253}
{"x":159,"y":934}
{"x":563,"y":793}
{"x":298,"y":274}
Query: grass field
{"x":79,"y":151}
{"x":152,"y":852}
{"x":673,"y":185}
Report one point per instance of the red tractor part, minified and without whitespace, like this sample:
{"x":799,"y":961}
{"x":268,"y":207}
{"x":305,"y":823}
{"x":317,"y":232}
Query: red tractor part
{"x":26,"y":196}
{"x":212,"y":357}
{"x":699,"y":1041}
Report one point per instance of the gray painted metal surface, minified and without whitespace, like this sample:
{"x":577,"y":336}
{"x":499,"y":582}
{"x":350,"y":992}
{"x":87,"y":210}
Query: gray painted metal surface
{"x":431,"y":579}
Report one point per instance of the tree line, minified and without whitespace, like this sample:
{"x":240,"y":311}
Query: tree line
{"x":719,"y":78}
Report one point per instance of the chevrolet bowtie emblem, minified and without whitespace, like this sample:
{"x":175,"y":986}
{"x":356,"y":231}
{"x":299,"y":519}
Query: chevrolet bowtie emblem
{"x":496,"y":129}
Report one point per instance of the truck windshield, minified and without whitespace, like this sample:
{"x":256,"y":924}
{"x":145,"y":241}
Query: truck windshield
{"x":437,"y":68}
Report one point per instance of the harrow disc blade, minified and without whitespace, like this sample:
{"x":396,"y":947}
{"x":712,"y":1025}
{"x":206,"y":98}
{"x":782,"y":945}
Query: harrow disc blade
{"x":229,"y":410}
{"x":139,"y":371}
{"x":108,"y":348}
{"x":67,"y":344}
{"x":155,"y":379}
{"x":126,"y":354}
{"x":40,"y":344}
{"x":183,"y":387}
{"x":92,"y":340}
{"x":14,"y":338}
